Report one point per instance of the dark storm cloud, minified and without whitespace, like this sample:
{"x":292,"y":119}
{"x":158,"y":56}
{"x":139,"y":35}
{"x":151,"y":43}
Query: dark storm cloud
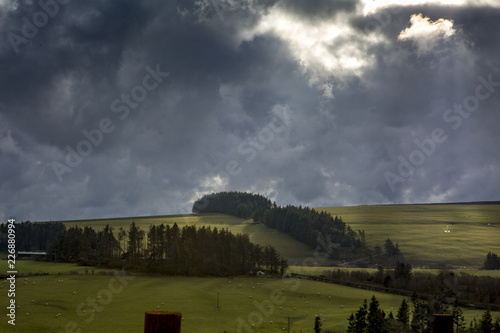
{"x":412,"y":99}
{"x":239,"y":91}
{"x":84,"y":43}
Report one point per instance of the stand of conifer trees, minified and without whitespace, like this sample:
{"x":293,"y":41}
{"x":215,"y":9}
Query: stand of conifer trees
{"x":166,"y":249}
{"x":32,"y":236}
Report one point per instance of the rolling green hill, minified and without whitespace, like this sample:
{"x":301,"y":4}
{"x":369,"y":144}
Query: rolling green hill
{"x":474,"y":230}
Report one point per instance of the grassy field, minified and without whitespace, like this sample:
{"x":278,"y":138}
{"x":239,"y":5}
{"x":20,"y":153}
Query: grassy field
{"x":419,"y":230}
{"x":41,"y":267}
{"x":38,"y":267}
{"x":56,"y":303}
{"x":319,"y":270}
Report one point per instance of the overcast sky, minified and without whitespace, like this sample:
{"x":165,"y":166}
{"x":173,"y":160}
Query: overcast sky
{"x":126,"y":108}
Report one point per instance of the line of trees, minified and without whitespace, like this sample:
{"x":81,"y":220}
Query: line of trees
{"x":166,"y":249}
{"x":463,"y":288}
{"x":86,"y":247}
{"x":306,"y":225}
{"x":371,"y":319}
{"x":32,"y":236}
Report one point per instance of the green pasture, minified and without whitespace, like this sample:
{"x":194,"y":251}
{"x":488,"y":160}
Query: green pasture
{"x":62,"y":303}
{"x":420,"y":230}
{"x":320,"y":270}
{"x":25,"y":267}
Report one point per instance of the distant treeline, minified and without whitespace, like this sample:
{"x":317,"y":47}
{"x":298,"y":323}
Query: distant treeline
{"x":463,"y":288}
{"x":32,"y":236}
{"x":304,"y":224}
{"x":240,"y":204}
{"x":166,"y":249}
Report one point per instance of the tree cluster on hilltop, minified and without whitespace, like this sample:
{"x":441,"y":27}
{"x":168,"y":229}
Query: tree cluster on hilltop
{"x":240,"y":204}
{"x":166,"y":249}
{"x":304,"y":224}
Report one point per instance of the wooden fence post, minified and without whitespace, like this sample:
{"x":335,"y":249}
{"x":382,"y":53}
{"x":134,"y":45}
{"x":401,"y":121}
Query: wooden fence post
{"x":162,"y":322}
{"x":442,"y":323}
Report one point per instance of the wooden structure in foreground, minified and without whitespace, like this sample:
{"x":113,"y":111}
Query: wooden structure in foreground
{"x":442,"y":323}
{"x":162,"y":322}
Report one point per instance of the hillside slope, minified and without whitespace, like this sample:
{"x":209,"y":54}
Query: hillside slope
{"x":474,"y":230}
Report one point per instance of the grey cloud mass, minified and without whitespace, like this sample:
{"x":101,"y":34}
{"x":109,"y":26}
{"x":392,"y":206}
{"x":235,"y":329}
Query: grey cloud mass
{"x":126,"y":108}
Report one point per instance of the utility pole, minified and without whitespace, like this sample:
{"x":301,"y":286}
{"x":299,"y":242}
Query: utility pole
{"x":289,"y":316}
